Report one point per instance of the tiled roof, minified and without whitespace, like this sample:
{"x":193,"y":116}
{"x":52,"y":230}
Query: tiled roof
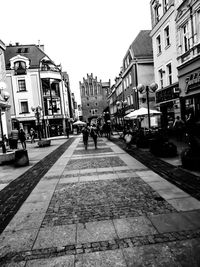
{"x":32,"y":52}
{"x":142,"y":45}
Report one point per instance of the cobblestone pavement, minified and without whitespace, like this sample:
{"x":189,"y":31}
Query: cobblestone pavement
{"x":102,"y":208}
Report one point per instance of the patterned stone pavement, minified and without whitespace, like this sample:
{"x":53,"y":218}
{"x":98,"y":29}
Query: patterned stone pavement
{"x":103,"y":208}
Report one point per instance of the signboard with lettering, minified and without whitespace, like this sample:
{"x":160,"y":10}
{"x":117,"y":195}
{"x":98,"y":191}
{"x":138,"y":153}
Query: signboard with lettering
{"x":167,"y":94}
{"x":192,"y":82}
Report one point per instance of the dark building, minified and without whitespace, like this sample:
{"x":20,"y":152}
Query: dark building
{"x":93,"y":97}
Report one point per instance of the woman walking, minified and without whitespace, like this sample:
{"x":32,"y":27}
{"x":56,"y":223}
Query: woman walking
{"x":22,"y":138}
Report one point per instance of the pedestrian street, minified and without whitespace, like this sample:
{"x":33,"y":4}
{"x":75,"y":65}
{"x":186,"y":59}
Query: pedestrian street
{"x":102,"y":207}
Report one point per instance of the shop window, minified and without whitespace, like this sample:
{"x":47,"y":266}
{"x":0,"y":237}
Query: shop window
{"x":21,"y":85}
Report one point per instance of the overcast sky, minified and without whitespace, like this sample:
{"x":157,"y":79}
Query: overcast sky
{"x":85,"y":36}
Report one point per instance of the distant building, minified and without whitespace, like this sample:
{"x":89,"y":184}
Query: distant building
{"x":34,"y":80}
{"x":137,"y":69}
{"x":93,"y":97}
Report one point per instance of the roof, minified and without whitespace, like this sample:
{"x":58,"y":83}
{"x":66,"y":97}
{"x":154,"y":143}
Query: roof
{"x":142,"y":45}
{"x":32,"y":52}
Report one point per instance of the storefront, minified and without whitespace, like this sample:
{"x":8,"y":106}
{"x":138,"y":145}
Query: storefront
{"x":167,"y":99}
{"x":189,"y":81}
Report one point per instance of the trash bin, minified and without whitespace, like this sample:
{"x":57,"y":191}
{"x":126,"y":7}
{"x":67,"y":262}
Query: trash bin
{"x":21,"y":158}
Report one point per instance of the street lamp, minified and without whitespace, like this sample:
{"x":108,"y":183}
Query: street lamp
{"x":121,"y":106}
{"x":37,"y":110}
{"x":148,"y":89}
{"x":4,"y":96}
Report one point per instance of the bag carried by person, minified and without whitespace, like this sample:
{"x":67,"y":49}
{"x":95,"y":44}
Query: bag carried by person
{"x":128,"y":138}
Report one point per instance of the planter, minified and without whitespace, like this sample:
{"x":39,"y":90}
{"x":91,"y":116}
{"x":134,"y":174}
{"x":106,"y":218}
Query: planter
{"x":44,"y":143}
{"x":190,"y":159}
{"x":7,"y":157}
{"x":21,"y":158}
{"x":162,"y":148}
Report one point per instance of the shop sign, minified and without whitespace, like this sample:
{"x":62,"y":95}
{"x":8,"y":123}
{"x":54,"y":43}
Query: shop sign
{"x":167,"y":94}
{"x":192,"y":82}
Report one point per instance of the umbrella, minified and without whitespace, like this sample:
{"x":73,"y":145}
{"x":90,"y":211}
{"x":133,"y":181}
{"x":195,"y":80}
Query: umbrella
{"x":141,"y":112}
{"x":79,"y":123}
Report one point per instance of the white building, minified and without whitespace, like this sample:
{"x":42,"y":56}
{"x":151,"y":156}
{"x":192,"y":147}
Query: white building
{"x":34,"y":80}
{"x":163,"y":33}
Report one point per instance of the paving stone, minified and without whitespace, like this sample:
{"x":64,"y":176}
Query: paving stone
{"x":186,"y":252}
{"x":24,"y":221}
{"x":150,"y":255}
{"x":172,"y":222}
{"x":95,"y":231}
{"x":138,"y":226}
{"x":14,"y":264}
{"x":55,"y":236}
{"x":193,"y":217}
{"x":17,"y":241}
{"x":64,"y":261}
{"x":105,"y":259}
{"x":185,"y":204}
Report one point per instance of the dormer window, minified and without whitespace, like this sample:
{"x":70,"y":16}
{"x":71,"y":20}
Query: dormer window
{"x":20,"y":67}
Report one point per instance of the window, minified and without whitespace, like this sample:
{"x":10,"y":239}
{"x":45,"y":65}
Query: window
{"x":130,"y":78}
{"x":166,"y":33}
{"x":165,"y":5}
{"x":185,"y":39}
{"x":24,"y":107}
{"x":156,"y":11}
{"x":21,"y":85}
{"x":169,"y":73}
{"x":158,"y":43}
{"x":20,"y":67}
{"x":161,"y":77}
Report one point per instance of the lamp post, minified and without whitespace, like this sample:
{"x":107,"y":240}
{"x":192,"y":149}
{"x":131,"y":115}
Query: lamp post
{"x":121,"y":106}
{"x":37,"y":110}
{"x":4,"y":96}
{"x":148,"y":89}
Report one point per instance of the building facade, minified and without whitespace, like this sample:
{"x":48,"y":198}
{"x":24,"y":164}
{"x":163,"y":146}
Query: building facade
{"x":163,"y":15}
{"x":93,"y":97}
{"x":188,"y":47}
{"x":35,"y":81}
{"x":5,"y":118}
{"x":137,"y":69}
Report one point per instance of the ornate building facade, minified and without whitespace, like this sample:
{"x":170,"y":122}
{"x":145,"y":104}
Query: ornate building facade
{"x":93,"y":97}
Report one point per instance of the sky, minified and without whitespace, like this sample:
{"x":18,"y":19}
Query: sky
{"x":85,"y":36}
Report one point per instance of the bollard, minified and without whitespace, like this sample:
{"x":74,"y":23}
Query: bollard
{"x":21,"y":158}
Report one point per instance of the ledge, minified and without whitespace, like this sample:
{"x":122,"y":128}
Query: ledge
{"x":43,"y":143}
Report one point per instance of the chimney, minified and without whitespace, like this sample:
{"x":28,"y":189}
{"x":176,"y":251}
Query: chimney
{"x":17,"y":43}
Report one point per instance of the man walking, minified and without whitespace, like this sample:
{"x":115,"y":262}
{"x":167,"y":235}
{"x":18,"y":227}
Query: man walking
{"x":93,"y":134}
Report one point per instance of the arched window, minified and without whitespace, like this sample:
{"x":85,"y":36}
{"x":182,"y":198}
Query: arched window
{"x":20,"y":67}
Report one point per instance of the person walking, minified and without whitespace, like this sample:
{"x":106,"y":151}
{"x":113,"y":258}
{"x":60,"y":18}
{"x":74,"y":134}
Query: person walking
{"x":32,"y":135}
{"x":85,"y":132}
{"x":67,"y":131}
{"x":93,"y":134}
{"x":179,"y":126}
{"x":14,"y":139}
{"x":22,"y":138}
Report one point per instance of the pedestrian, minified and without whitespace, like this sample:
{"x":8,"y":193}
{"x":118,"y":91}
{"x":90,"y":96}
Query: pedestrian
{"x":128,"y":137}
{"x":14,"y":139}
{"x":32,"y":135}
{"x":67,"y":131}
{"x":22,"y":138}
{"x":93,"y":134}
{"x":179,"y":126}
{"x":85,"y":132}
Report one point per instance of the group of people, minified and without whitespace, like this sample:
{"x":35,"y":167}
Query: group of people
{"x":20,"y":135}
{"x":90,"y":131}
